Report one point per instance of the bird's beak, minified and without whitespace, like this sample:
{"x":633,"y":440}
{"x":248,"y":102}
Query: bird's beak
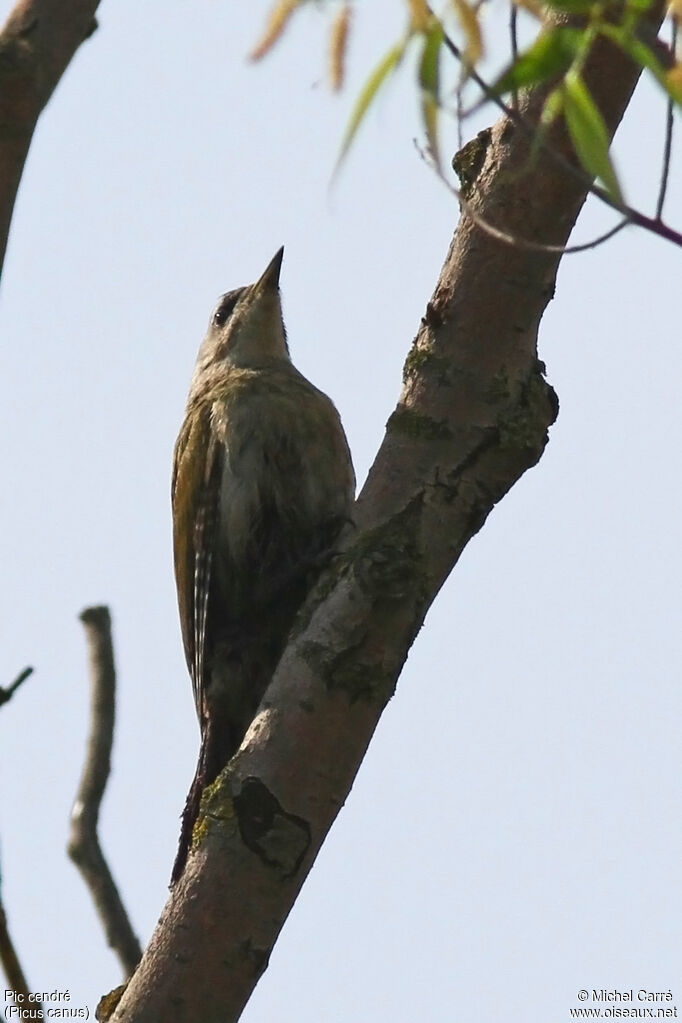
{"x":269,"y":279}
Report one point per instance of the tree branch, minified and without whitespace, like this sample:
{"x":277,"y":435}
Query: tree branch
{"x":37,"y":43}
{"x":472,"y":418}
{"x":84,"y":848}
{"x":7,"y":694}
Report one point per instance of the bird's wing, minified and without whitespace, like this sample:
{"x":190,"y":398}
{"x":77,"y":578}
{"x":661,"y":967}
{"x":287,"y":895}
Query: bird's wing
{"x":195,"y":494}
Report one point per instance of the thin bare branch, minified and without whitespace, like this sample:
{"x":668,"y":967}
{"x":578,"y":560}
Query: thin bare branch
{"x":7,"y":694}
{"x":37,"y":43}
{"x":84,"y":848}
{"x":531,"y":246}
{"x":518,"y":241}
{"x":458,"y":115}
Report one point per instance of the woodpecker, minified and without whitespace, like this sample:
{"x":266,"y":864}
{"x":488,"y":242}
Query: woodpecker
{"x":262,"y":485}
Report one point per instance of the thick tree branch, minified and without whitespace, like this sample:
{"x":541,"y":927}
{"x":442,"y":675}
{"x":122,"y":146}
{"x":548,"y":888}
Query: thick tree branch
{"x":84,"y":848}
{"x":472,"y":418}
{"x":37,"y":43}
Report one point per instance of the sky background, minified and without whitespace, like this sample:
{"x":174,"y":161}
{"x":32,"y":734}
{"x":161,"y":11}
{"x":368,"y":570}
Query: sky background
{"x":514,"y":833}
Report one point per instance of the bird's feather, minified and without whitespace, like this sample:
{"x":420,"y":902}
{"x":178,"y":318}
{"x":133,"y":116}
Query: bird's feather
{"x":195,"y":493}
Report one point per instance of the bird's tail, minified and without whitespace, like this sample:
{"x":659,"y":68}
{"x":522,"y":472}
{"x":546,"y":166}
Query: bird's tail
{"x":242,"y":666}
{"x":189,"y":818}
{"x":212,"y":759}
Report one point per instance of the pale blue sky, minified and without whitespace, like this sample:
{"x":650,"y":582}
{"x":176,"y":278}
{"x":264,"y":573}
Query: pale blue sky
{"x":513,"y":835}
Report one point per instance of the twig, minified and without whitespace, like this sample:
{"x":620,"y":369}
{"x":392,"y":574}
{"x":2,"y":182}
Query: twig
{"x":7,"y":694}
{"x":11,"y":966}
{"x":668,"y":146}
{"x":458,"y":115}
{"x":84,"y":848}
{"x":511,"y":239}
{"x":533,"y":246}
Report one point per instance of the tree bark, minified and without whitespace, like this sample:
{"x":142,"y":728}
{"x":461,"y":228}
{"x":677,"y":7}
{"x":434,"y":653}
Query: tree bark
{"x":473,"y":416}
{"x":37,"y":43}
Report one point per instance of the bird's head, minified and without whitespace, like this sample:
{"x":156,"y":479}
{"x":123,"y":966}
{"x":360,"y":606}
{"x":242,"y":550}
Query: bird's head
{"x":246,"y":329}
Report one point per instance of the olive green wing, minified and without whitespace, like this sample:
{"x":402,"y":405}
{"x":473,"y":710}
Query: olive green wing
{"x":195,"y":493}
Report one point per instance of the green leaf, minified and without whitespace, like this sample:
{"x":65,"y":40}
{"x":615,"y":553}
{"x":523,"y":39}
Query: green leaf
{"x":429,"y":112}
{"x":381,"y":72}
{"x":429,"y":79}
{"x":551,"y":54}
{"x":645,"y":57}
{"x":430,"y":59}
{"x":589,"y":134}
{"x":551,"y":109}
{"x":468,"y":17}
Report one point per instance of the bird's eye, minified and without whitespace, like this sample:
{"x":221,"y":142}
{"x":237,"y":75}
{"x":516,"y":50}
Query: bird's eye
{"x":225,"y":307}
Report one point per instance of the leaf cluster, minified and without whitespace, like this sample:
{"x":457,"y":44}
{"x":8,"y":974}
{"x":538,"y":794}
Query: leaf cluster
{"x":556,"y":58}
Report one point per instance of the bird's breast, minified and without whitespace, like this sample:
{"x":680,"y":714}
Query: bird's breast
{"x":286,"y":484}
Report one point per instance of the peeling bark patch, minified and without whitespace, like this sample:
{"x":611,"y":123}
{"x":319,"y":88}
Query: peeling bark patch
{"x":278,"y":838}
